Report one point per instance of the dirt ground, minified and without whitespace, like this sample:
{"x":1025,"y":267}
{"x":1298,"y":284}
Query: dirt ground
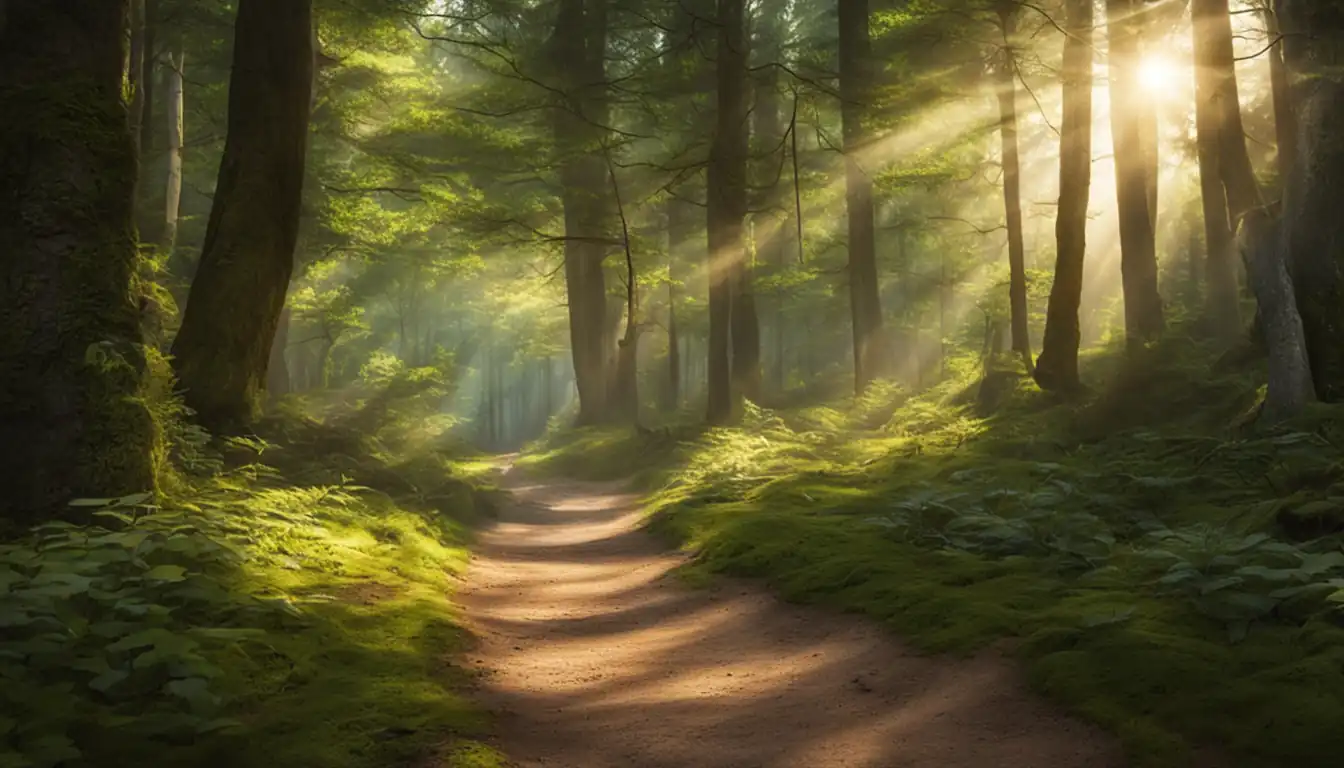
{"x":594,"y":656}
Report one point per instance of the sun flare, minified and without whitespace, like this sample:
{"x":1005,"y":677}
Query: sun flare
{"x":1158,"y":74}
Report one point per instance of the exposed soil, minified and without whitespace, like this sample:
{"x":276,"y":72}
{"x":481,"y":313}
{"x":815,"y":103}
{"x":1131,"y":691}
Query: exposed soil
{"x":594,"y":656}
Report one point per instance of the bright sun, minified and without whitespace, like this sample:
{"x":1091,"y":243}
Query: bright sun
{"x":1157,"y":73}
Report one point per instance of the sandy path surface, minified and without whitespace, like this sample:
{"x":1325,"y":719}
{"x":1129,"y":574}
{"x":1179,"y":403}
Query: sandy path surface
{"x":595,"y":657}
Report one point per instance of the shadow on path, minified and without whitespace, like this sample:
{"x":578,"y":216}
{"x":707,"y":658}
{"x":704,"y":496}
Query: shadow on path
{"x":595,"y":658}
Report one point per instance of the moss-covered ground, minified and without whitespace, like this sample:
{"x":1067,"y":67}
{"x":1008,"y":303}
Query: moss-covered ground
{"x":1161,"y":568}
{"x":286,"y":603}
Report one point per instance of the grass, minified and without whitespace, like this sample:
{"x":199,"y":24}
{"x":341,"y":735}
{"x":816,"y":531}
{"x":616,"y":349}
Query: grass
{"x":323,"y":633}
{"x":1145,"y":556}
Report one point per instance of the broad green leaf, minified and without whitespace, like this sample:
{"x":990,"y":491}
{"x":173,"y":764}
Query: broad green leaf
{"x":166,"y":573}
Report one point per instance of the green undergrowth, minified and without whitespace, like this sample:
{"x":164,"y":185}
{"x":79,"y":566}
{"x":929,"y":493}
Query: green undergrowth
{"x":287,"y":604}
{"x":1163,"y":570}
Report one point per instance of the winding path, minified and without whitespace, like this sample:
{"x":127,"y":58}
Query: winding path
{"x":594,"y":656}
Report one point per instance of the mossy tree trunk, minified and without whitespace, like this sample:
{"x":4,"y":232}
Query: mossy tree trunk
{"x":1057,"y":368}
{"x":727,"y":198}
{"x":233,"y":309}
{"x":855,"y":91}
{"x":72,"y":360}
{"x":1138,"y":247}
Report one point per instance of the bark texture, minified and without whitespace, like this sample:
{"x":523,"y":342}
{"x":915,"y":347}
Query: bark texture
{"x":172,"y":192}
{"x":578,"y":50}
{"x":1312,"y":235}
{"x":1057,"y":368}
{"x":1285,"y":119}
{"x":1138,"y":247}
{"x":72,"y":360}
{"x":223,"y":348}
{"x":855,"y":91}
{"x":727,"y":198}
{"x":1012,"y":185}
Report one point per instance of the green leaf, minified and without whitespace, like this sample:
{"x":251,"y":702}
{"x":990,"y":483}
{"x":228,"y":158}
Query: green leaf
{"x":166,"y":573}
{"x":195,"y":691}
{"x":91,"y":502}
{"x":109,"y":679}
{"x":226,"y":633}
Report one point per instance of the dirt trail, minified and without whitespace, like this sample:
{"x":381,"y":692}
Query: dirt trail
{"x":596,"y":658}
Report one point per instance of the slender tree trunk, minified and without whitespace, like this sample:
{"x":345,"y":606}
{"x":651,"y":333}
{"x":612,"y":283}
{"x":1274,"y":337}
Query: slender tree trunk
{"x":1285,"y":119}
{"x":727,"y":191}
{"x":72,"y":361}
{"x":1057,"y":368}
{"x":676,"y":237}
{"x":627,"y":370}
{"x":1234,"y":162}
{"x":864,"y":301}
{"x":1220,"y":271}
{"x":223,"y":348}
{"x":1312,"y":227}
{"x":1012,"y":186}
{"x":174,"y":71}
{"x":1138,"y":248}
{"x":135,"y":69}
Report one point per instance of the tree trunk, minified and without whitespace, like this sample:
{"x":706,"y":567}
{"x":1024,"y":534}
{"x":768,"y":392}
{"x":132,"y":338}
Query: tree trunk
{"x":864,"y":303}
{"x":1313,"y":231}
{"x":1138,"y":247}
{"x":136,"y":70}
{"x":1222,"y":309}
{"x":172,"y":198}
{"x":1057,"y":368}
{"x":1285,"y":119}
{"x":578,"y":49}
{"x":277,"y":370}
{"x":1012,"y":187}
{"x":727,"y":198}
{"x":1234,"y":162}
{"x":222,"y":350}
{"x":676,"y":238}
{"x":1290,"y":387}
{"x":72,"y":360}
{"x":746,"y":334}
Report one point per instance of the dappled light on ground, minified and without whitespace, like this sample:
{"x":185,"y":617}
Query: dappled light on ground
{"x":596,"y":654}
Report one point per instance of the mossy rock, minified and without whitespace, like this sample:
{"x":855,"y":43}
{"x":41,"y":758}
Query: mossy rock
{"x":1312,"y":519}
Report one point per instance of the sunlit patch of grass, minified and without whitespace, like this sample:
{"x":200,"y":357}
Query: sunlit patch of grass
{"x":1131,"y":542}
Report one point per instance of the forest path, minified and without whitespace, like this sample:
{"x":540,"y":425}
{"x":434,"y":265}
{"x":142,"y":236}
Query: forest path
{"x":594,"y":656}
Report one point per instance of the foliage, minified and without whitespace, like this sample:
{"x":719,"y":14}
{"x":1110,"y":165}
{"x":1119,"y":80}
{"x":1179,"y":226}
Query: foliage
{"x":248,"y":618}
{"x":1146,"y":559}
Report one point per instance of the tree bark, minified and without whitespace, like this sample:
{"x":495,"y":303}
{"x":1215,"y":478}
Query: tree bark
{"x":172,"y":198}
{"x":1312,"y":238}
{"x":727,"y":198}
{"x":1222,"y":303}
{"x":678,"y":235}
{"x":1290,"y":386}
{"x":578,"y":50}
{"x":1057,"y":368}
{"x":223,"y":348}
{"x":1138,"y":247}
{"x":1012,"y":186}
{"x":72,"y":358}
{"x":855,"y":91}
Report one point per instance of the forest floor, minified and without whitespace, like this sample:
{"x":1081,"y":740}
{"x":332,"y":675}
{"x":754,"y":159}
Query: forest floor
{"x":594,"y":653}
{"x":1153,"y":564}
